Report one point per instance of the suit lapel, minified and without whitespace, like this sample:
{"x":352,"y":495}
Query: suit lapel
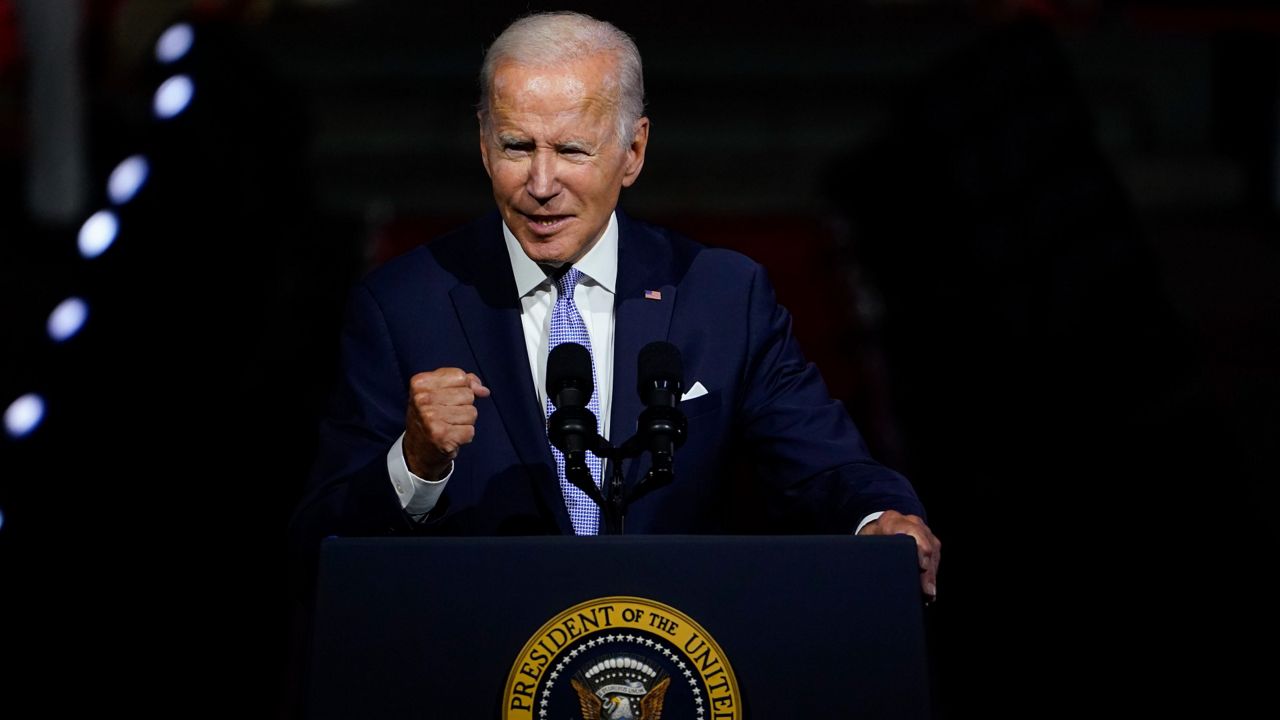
{"x":489,"y":313}
{"x":644,"y":264}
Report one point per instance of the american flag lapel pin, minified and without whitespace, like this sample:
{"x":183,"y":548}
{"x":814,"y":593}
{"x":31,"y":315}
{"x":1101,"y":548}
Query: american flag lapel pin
{"x":652,"y":295}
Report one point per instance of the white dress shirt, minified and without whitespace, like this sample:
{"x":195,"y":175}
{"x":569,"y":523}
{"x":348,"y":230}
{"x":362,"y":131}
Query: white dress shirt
{"x":594,"y":297}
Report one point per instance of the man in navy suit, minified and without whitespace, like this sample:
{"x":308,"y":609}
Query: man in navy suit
{"x":439,"y":425}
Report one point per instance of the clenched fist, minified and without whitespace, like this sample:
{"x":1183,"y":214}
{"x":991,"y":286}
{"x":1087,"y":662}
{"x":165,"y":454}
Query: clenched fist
{"x":441,"y":419}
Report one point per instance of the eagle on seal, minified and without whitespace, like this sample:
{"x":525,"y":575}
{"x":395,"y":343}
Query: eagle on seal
{"x":620,"y":707}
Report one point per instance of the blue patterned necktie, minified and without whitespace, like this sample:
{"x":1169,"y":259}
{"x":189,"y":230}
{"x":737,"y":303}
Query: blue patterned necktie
{"x":567,"y":326}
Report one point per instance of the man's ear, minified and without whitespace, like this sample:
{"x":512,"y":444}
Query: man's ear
{"x":484,"y":144}
{"x":635,"y":153}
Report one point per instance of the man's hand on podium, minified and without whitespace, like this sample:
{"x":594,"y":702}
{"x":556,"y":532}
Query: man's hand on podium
{"x":928,"y":546}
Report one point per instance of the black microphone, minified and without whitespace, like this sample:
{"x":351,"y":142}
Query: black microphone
{"x":662,"y":423}
{"x":569,"y":376}
{"x":572,"y":427}
{"x":661,"y":374}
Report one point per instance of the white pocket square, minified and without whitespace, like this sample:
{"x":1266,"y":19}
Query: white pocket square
{"x":696,"y":391}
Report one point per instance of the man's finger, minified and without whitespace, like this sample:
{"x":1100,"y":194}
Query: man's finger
{"x":930,"y":553}
{"x":440,"y":416}
{"x":929,"y":583}
{"x":441,"y":378}
{"x":444,"y":396}
{"x":477,"y":387}
{"x":450,"y":441}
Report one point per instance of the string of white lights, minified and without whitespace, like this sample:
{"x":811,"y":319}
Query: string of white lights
{"x":99,"y":232}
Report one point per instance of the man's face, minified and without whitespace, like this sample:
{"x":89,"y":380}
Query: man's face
{"x":552,"y":154}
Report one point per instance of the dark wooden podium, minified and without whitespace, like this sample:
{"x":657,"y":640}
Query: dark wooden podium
{"x":552,"y":628}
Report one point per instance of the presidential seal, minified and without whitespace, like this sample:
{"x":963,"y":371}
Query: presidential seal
{"x":621,"y":657}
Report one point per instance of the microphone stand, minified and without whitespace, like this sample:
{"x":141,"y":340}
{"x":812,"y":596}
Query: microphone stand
{"x":612,"y":504}
{"x":614,"y":501}
{"x":610,"y":500}
{"x":572,"y":427}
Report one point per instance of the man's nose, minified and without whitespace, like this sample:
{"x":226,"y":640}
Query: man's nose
{"x":543,"y":183}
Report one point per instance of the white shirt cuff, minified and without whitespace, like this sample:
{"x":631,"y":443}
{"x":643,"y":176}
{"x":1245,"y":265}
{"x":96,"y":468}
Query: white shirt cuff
{"x":870,"y":518}
{"x":417,"y":496}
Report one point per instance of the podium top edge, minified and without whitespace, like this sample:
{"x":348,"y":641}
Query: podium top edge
{"x":663,"y":540}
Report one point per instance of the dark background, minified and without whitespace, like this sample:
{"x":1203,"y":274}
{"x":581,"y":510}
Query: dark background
{"x":1032,"y":246}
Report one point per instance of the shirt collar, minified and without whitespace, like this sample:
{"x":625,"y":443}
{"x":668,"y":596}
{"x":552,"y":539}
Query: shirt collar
{"x":600,"y":264}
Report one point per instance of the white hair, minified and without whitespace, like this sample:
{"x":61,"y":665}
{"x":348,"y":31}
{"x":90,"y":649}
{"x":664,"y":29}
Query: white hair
{"x":554,"y":38}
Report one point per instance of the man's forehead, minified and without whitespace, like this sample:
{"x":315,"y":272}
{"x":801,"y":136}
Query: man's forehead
{"x":548,"y":111}
{"x":591,"y":77}
{"x":523,"y":81}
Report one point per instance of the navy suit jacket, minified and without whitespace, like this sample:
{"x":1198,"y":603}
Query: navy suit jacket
{"x":766,"y":429}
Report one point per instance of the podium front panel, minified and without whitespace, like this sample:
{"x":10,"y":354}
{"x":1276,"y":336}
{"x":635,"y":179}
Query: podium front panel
{"x":812,"y":626}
